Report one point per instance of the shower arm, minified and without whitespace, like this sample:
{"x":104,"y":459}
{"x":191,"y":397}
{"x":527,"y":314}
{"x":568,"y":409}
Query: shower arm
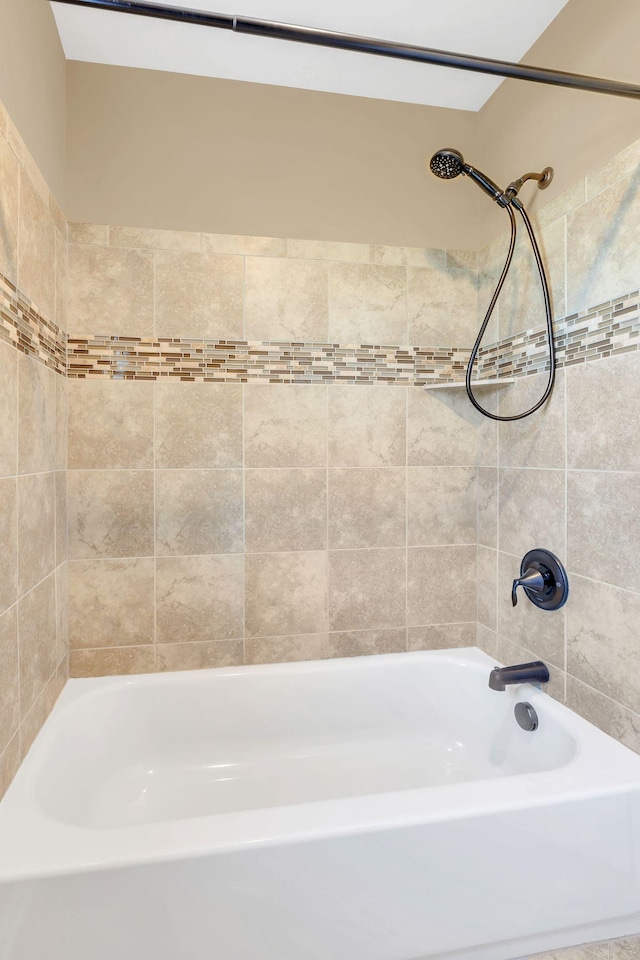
{"x":359,"y":44}
{"x":544,"y":179}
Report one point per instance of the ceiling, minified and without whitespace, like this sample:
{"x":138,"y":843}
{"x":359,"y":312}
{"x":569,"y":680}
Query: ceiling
{"x":502,"y":29}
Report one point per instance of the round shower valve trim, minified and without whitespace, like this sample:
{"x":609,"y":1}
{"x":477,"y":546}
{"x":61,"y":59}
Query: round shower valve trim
{"x":544,"y":580}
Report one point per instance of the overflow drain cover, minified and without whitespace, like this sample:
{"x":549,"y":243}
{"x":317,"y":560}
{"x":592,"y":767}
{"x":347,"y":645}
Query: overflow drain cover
{"x":526,"y":716}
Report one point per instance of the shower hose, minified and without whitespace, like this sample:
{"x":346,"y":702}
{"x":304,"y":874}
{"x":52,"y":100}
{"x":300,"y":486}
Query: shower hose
{"x":547,"y":306}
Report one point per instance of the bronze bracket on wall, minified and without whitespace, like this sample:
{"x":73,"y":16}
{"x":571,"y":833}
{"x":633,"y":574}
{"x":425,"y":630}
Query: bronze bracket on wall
{"x":357,"y":44}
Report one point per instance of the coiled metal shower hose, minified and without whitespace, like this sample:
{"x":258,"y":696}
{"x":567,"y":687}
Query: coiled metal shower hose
{"x":547,"y":306}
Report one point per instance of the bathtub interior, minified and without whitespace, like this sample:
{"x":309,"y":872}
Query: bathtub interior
{"x":160,"y":748}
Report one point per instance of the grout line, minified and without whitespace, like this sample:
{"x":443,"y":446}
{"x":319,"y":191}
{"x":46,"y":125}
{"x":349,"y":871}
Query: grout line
{"x":17,"y":569}
{"x":406,"y":517}
{"x":19,"y":231}
{"x":328,"y":495}
{"x":244,"y":536}
{"x":282,"y":636}
{"x":566,"y":516}
{"x":315,"y":466}
{"x":263,"y":553}
{"x":155,"y":528}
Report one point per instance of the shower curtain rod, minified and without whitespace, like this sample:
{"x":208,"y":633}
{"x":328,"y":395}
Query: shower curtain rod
{"x":380,"y":48}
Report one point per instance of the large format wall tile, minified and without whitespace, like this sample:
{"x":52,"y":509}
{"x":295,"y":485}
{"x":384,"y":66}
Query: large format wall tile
{"x":285,"y":510}
{"x":603,"y":244}
{"x":110,"y":291}
{"x":367,"y":426}
{"x":36,"y":529}
{"x":286,"y":427}
{"x":199,"y":598}
{"x":33,"y":721}
{"x":249,"y":246}
{"x":110,"y":513}
{"x":602,"y":640}
{"x":110,"y":424}
{"x":488,"y":506}
{"x":286,"y":299}
{"x":487,"y":587}
{"x":38,"y":642}
{"x":359,"y":643}
{"x":198,"y":295}
{"x":36,"y":417}
{"x":285,"y":649}
{"x":61,"y":314}
{"x":198,"y":512}
{"x":532,"y":511}
{"x":328,"y":250}
{"x":367,"y":588}
{"x":62,"y":433}
{"x":441,"y":636}
{"x":60,"y":505}
{"x":605,"y":713}
{"x":441,"y":505}
{"x":368,"y":304}
{"x":8,"y":409}
{"x":178,"y":240}
{"x":367,"y":507}
{"x":603,"y":427}
{"x":198,"y":424}
{"x":441,"y":430}
{"x":603,"y":525}
{"x":442,"y":306}
{"x":286,"y":594}
{"x":112,"y":660}
{"x":538,"y":440}
{"x":9,"y":178}
{"x":37,"y":249}
{"x":199,"y":656}
{"x":8,"y":542}
{"x":111,"y":603}
{"x":441,"y":584}
{"x":10,"y":699}
{"x":521,"y":302}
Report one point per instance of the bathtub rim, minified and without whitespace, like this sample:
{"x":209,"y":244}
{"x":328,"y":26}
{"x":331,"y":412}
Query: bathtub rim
{"x":35,"y":844}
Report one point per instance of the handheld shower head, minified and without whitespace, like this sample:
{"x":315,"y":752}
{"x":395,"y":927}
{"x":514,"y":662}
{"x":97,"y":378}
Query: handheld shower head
{"x":449,"y":163}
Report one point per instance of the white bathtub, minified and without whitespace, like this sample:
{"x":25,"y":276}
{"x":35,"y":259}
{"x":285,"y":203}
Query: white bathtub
{"x":381,"y":808}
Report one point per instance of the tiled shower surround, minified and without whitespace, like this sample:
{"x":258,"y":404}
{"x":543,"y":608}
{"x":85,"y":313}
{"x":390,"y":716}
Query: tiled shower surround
{"x":33,"y":456}
{"x":255,"y":472}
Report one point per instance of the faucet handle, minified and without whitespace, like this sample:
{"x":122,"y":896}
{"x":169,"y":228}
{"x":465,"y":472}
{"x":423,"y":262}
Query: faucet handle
{"x":543,"y":579}
{"x":532,"y":579}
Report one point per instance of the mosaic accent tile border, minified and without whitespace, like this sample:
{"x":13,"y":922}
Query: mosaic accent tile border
{"x":25,"y":328}
{"x":265,"y":362}
{"x":602,"y":331}
{"x":605,"y":330}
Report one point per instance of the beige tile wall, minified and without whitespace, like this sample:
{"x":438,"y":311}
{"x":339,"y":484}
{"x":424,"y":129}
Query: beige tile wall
{"x":214,"y":524}
{"x":164,"y":283}
{"x":569,"y":477}
{"x":33,"y":457}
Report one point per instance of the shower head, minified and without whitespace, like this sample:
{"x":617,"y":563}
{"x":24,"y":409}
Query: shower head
{"x":447,"y":164}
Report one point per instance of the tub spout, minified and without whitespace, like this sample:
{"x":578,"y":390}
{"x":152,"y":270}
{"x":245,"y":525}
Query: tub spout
{"x":535,"y":672}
